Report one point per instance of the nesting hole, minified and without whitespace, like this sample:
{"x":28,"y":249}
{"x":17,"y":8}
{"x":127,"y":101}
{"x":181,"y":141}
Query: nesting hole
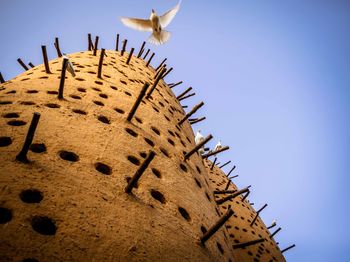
{"x":167,"y":118}
{"x":103,"y":168}
{"x":5,"y":102}
{"x":155,"y":130}
{"x":99,"y":82}
{"x":203,"y":229}
{"x":143,"y":154}
{"x":158,"y":196}
{"x":96,"y":89}
{"x":16,"y":123}
{"x":138,"y":120}
{"x":127,"y":93}
{"x":52,"y":105}
{"x":184,"y":213}
{"x":79,"y":79}
{"x":38,"y":147}
{"x":80,"y":89}
{"x":32,"y":91}
{"x":118,"y":110}
{"x":5,"y":215}
{"x":207,"y":195}
{"x":78,"y":111}
{"x":75,"y":97}
{"x":134,"y":160}
{"x":123,"y":82}
{"x":104,"y":119}
{"x":68,"y":156}
{"x":198,"y":183}
{"x":44,"y":225}
{"x":114,"y":87}
{"x":148,"y":141}
{"x":31,"y":196}
{"x":103,"y":96}
{"x":164,"y":152}
{"x":156,"y":172}
{"x":171,"y":133}
{"x":99,"y":103}
{"x":52,"y":92}
{"x":171,"y":142}
{"x":11,"y":115}
{"x":27,"y":103}
{"x":220,"y":247}
{"x":183,"y":167}
{"x":5,"y":141}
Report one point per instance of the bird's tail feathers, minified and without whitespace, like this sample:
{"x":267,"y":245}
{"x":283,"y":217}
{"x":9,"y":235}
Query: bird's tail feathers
{"x":161,"y":38}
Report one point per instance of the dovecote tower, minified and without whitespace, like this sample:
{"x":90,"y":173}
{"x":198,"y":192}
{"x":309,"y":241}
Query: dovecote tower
{"x":103,"y":167}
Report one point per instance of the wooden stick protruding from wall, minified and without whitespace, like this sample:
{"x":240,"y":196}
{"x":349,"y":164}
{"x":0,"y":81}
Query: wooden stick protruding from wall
{"x":194,"y":110}
{"x":63,"y":78}
{"x":46,"y":60}
{"x":57,"y":46}
{"x":150,"y":59}
{"x":96,"y":45}
{"x":197,"y":147}
{"x":142,"y":48}
{"x":137,"y":102}
{"x":130,"y":55}
{"x":124,"y":47}
{"x":249,"y":243}
{"x":22,"y":155}
{"x":237,"y":193}
{"x":133,"y":181}
{"x":217,"y":226}
{"x":117,"y":43}
{"x":19,"y":60}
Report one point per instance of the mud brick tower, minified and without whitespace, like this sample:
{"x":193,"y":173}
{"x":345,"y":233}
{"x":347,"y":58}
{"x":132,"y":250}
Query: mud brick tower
{"x":103,"y":167}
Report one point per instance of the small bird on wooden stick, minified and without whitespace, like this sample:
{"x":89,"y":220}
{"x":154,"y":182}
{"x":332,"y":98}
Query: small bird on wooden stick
{"x":199,"y":138}
{"x":70,"y":67}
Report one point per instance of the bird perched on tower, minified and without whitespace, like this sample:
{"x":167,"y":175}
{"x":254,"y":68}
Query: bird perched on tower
{"x":218,"y":146}
{"x":273,"y":224}
{"x":70,"y":67}
{"x":154,"y":24}
{"x":199,"y":138}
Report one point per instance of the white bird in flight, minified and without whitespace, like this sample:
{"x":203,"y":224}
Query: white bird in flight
{"x":154,"y":24}
{"x":70,"y":67}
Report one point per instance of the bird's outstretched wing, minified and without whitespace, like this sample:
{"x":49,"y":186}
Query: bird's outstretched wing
{"x":168,"y":16}
{"x":138,"y":24}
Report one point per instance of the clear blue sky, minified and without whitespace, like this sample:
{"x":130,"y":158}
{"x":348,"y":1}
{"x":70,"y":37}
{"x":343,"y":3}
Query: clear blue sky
{"x":274,"y":76}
